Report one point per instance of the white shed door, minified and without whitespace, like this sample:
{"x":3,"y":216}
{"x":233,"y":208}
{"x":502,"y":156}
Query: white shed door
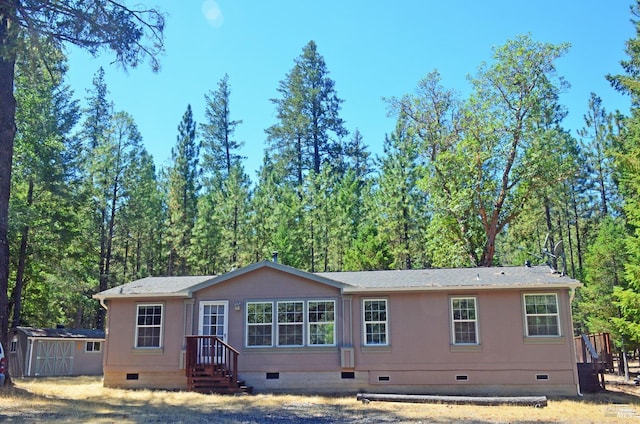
{"x":54,"y":357}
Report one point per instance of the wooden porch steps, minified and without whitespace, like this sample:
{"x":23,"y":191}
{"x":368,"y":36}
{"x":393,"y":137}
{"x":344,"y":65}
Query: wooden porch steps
{"x":212,"y":366}
{"x":209,"y":380}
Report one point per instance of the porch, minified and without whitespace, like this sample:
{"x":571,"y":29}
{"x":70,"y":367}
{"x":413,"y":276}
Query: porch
{"x":212,"y":366}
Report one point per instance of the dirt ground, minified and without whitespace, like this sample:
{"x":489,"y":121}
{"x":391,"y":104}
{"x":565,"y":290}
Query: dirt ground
{"x":83,"y":399}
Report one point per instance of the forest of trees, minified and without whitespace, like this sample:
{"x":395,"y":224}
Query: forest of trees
{"x":489,"y":179}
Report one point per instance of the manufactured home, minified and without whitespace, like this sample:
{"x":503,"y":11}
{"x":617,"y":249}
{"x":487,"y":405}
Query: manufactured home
{"x":501,"y":330}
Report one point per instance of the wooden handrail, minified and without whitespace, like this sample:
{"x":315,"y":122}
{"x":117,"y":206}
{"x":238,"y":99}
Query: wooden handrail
{"x":212,"y":353}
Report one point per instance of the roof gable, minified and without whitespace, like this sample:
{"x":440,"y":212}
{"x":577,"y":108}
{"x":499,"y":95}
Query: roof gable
{"x":186,"y":286}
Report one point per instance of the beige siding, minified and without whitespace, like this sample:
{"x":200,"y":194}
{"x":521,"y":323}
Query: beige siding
{"x":170,"y":380}
{"x":420,"y":349}
{"x":120,"y":351}
{"x":272,"y":285}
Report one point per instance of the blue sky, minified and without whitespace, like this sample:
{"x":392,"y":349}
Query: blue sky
{"x":373,"y":49}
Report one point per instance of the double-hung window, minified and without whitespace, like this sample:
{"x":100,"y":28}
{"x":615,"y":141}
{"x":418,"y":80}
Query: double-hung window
{"x":541,"y":315}
{"x":290,"y":323}
{"x":260,"y":324}
{"x":321,"y":318}
{"x":149,"y":326}
{"x":376,"y":324}
{"x":464,"y":320}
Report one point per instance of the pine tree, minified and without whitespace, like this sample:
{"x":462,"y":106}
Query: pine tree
{"x":597,"y":137}
{"x":41,"y":210}
{"x":182,"y":181}
{"x":628,"y":169}
{"x":308,"y":115}
{"x":219,"y":148}
{"x":400,"y":203}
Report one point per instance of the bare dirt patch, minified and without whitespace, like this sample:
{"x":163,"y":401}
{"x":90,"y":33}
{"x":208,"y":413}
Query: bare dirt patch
{"x":83,"y":399}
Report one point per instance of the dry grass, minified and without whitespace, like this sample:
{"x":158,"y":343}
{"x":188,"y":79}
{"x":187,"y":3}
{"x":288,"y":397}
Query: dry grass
{"x":83,"y":399}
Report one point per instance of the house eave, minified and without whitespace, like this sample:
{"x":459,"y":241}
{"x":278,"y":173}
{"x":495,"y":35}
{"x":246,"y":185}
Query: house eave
{"x":542,"y":286}
{"x":178,"y":295}
{"x":67,"y":339}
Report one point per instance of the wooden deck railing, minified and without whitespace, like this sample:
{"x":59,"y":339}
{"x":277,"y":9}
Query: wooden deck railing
{"x":212,"y":354}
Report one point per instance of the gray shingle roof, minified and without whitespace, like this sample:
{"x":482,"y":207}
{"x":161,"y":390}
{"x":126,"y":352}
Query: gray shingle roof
{"x":62,"y":333}
{"x":452,"y":278}
{"x":154,"y":286}
{"x":362,"y":281}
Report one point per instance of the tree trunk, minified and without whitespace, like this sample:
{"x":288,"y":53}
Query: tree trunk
{"x":102,"y":282}
{"x":7,"y":134}
{"x":568,"y":222}
{"x":490,"y":248}
{"x":547,"y":214}
{"x":575,"y":217}
{"x":22,"y":259}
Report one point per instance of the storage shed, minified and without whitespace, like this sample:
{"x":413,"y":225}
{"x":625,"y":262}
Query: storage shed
{"x":45,"y":352}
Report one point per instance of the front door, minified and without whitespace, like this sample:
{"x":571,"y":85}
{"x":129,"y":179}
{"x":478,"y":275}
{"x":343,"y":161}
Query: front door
{"x":213,"y":322}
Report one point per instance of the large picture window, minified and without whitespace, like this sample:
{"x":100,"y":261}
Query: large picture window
{"x":290,"y":323}
{"x":464,"y":320}
{"x":322,"y":318}
{"x":375,"y":322}
{"x":541,"y":315}
{"x":260,"y":324}
{"x":149,"y":326}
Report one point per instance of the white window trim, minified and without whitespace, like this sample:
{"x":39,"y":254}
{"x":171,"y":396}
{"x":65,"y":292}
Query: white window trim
{"x":93,"y":343}
{"x":386,"y":322}
{"x":292,"y":324}
{"x":161,"y":338}
{"x":320,"y":323}
{"x":247,"y":324}
{"x":525,"y":315}
{"x":453,"y":321}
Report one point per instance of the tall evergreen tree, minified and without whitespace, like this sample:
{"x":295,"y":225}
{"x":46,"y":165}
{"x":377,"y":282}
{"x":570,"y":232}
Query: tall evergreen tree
{"x":182,"y":181}
{"x":628,"y":167}
{"x":401,"y":204}
{"x":597,"y":137}
{"x":310,"y":130}
{"x":604,"y":272}
{"x":41,"y":211}
{"x":93,"y":25}
{"x":219,"y":148}
{"x":276,"y":217}
{"x":110,"y":160}
{"x":220,"y":235}
{"x":141,"y":228}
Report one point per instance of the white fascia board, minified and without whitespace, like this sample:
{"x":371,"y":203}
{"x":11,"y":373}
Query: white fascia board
{"x":356,"y":290}
{"x":67,"y":339}
{"x":176,"y":295}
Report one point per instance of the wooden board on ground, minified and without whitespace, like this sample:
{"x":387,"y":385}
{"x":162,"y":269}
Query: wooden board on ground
{"x":536,"y":401}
